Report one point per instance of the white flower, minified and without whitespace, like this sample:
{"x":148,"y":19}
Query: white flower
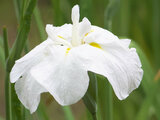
{"x":59,"y":65}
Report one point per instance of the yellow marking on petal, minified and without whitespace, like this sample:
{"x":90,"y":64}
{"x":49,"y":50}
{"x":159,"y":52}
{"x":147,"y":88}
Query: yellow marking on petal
{"x":88,"y":33}
{"x":67,"y":50}
{"x":95,"y":45}
{"x":60,"y":37}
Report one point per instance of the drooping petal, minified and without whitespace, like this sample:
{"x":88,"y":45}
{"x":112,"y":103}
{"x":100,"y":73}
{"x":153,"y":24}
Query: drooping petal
{"x":62,"y":76}
{"x":27,"y":88}
{"x":119,"y":64}
{"x":24,"y":64}
{"x":28,"y":91}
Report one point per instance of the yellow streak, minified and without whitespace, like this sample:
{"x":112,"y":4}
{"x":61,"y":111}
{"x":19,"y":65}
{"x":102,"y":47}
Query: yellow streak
{"x":60,"y":37}
{"x":95,"y":45}
{"x":67,"y":50}
{"x":88,"y":33}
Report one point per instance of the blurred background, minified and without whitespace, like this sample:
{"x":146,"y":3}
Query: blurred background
{"x":138,"y":20}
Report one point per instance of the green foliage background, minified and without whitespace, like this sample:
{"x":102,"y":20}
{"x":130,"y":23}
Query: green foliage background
{"x":138,"y":20}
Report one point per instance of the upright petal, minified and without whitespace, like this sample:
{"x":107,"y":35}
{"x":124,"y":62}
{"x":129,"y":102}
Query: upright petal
{"x":75,"y":14}
{"x":116,"y":62}
{"x":84,"y":27}
{"x":60,"y":35}
{"x":62,"y":76}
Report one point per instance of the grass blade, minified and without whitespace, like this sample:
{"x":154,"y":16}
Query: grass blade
{"x":86,"y":9}
{"x":155,"y":33}
{"x":104,"y":99}
{"x":58,"y":18}
{"x":40,"y":25}
{"x":150,"y":87}
{"x":22,"y":36}
{"x":17,"y":109}
{"x":2,"y":56}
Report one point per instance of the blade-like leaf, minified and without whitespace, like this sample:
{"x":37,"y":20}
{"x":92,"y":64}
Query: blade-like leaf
{"x":39,"y":24}
{"x":2,"y":58}
{"x":24,"y":27}
{"x":148,"y":83}
{"x":22,"y":36}
{"x":104,"y":98}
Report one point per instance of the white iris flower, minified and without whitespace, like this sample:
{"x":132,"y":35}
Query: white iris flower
{"x":59,"y":65}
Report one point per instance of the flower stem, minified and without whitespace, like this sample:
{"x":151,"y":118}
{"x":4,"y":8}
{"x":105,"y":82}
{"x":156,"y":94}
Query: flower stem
{"x":109,"y":102}
{"x":90,"y":97}
{"x":94,"y":116}
{"x":7,"y":83}
{"x":8,"y":98}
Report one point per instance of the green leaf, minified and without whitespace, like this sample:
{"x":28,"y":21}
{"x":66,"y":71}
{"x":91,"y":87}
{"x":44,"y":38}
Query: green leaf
{"x":148,"y":83}
{"x":58,"y":15}
{"x":104,"y":99}
{"x":86,"y":9}
{"x":39,"y":24}
{"x":17,"y":111}
{"x":22,"y":36}
{"x":155,"y":33}
{"x":2,"y":58}
{"x":109,"y":12}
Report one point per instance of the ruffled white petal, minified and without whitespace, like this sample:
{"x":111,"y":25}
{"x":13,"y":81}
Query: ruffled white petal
{"x":24,"y":64}
{"x":116,"y":62}
{"x":28,"y":91}
{"x":126,"y":42}
{"x":62,"y":75}
{"x":100,"y":36}
{"x":27,"y":88}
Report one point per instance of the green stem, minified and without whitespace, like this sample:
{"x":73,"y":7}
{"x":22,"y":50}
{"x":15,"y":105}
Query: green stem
{"x":94,"y":116}
{"x":7,"y":82}
{"x":68,"y":113}
{"x":109,"y":102}
{"x":5,"y":42}
{"x":90,"y":97}
{"x":8,"y":98}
